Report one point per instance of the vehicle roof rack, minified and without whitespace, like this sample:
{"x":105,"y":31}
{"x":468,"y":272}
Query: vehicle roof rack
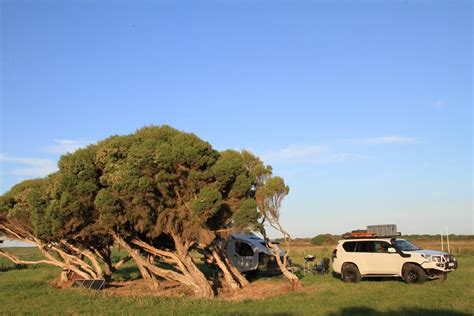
{"x":374,"y":231}
{"x":369,"y":237}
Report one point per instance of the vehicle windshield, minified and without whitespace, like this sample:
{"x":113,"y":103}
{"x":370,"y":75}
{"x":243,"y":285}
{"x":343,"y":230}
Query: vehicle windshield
{"x":403,"y":245}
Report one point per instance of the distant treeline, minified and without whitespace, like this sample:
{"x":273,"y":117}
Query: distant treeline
{"x":329,"y":239}
{"x":438,"y":237}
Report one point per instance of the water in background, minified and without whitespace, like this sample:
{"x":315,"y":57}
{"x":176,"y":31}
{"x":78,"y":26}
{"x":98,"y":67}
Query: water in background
{"x":12,"y":243}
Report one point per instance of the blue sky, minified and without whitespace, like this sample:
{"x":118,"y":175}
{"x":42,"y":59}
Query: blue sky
{"x":364,"y":107}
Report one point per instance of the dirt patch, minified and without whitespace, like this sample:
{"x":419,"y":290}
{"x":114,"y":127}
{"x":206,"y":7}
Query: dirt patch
{"x":60,"y":284}
{"x":57,"y":283}
{"x":139,"y":287}
{"x":262,"y":289}
{"x":259,"y":289}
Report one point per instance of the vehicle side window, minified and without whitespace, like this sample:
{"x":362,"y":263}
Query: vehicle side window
{"x":243,"y":249}
{"x":381,"y":246}
{"x":365,"y":246}
{"x":349,"y":246}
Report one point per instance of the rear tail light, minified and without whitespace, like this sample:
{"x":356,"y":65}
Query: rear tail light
{"x":334,"y":254}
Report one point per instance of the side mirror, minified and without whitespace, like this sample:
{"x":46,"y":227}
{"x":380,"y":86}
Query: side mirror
{"x":391,"y":250}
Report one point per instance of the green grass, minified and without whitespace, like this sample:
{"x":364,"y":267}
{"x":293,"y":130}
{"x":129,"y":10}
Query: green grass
{"x":27,"y":291}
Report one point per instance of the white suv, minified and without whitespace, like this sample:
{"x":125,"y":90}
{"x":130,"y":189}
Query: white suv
{"x":358,"y":258}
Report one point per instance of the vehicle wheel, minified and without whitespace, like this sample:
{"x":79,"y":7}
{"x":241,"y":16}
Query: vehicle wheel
{"x":251,"y":275}
{"x":350,"y":273}
{"x":414,"y":274}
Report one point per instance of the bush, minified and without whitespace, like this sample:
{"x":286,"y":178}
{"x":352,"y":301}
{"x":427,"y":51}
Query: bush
{"x":324,"y":240}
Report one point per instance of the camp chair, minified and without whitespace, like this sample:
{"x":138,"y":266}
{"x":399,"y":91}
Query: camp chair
{"x":308,"y":264}
{"x":322,"y":267}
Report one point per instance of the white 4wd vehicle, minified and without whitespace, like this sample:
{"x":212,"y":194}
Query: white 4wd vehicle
{"x":358,"y":258}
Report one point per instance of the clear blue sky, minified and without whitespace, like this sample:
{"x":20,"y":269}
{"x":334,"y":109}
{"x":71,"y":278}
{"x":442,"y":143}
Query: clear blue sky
{"x":364,"y":107}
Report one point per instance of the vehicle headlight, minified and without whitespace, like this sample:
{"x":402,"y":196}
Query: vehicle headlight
{"x":431,"y":258}
{"x":427,"y":257}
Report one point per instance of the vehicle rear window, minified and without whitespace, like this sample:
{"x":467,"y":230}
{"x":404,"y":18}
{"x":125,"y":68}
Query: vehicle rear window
{"x":349,"y":246}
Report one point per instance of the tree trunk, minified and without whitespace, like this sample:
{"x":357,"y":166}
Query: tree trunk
{"x":243,"y":282}
{"x":290,"y":276}
{"x":140,"y":262}
{"x":64,"y":277}
{"x":182,"y":265}
{"x":199,"y":284}
{"x":60,"y":254}
{"x":65,"y":266}
{"x":234,"y":279}
{"x":229,"y":279}
{"x":189,"y":275}
{"x":110,"y":268}
{"x":147,"y":275}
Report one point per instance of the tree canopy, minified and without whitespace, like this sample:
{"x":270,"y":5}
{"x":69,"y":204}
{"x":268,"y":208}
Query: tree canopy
{"x":158,"y":193}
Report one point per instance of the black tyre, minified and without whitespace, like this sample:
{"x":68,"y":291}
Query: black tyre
{"x":251,"y":275}
{"x":413,"y":274}
{"x":350,"y":273}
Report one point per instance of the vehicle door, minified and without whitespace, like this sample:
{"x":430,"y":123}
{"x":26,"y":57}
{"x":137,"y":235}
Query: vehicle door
{"x":242,"y":255}
{"x":385,"y":262}
{"x":375,"y":258}
{"x":363,"y":256}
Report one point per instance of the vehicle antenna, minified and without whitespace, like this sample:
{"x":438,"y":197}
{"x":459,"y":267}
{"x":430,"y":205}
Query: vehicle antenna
{"x":442,"y":247}
{"x":447,"y":239}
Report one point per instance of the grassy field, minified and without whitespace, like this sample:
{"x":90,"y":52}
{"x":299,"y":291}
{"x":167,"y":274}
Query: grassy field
{"x":27,"y":291}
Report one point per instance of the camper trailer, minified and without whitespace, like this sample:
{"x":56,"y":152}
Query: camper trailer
{"x":250,"y":253}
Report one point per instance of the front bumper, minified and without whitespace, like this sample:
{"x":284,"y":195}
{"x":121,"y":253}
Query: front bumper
{"x":447,"y":263}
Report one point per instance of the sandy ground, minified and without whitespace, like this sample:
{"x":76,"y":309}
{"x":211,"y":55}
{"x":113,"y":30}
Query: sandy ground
{"x":259,"y":289}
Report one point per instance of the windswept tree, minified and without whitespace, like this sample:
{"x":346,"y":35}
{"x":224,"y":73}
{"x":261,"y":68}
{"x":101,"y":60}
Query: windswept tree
{"x":158,"y":193}
{"x":165,"y":193}
{"x":20,"y":209}
{"x":65,"y":214}
{"x":238,"y":213}
{"x":269,"y":194}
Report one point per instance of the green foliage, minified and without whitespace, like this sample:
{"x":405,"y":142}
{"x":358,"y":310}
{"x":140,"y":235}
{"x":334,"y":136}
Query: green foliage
{"x":276,"y":185}
{"x":14,"y":203}
{"x":65,"y":210}
{"x":325,"y":240}
{"x":228,"y":168}
{"x":155,"y":183}
{"x":110,"y":207}
{"x":268,"y":191}
{"x":269,"y":198}
{"x":6,"y":203}
{"x":207,"y":202}
{"x":241,"y":187}
{"x":259,"y":172}
{"x":247,"y":213}
{"x":160,"y":180}
{"x":40,"y":213}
